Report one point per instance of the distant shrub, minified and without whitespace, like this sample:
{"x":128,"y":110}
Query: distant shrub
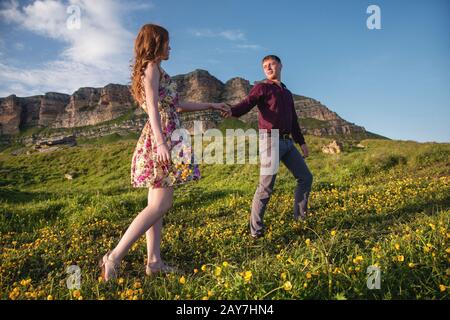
{"x":386,"y":162}
{"x":434,"y":155}
{"x":359,"y":167}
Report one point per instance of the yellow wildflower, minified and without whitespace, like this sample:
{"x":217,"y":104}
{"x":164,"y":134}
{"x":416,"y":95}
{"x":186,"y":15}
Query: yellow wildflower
{"x":14,"y":294}
{"x":287,"y":286}
{"x":25,"y":282}
{"x":358,"y":259}
{"x":248,"y":276}
{"x":76,"y":294}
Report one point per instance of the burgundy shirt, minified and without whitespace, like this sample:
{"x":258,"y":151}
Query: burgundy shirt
{"x":276,"y":109}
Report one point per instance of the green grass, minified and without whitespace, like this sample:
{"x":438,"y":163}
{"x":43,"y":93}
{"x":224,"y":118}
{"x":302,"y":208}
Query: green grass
{"x":311,"y":123}
{"x":233,"y":123}
{"x":387,"y":204}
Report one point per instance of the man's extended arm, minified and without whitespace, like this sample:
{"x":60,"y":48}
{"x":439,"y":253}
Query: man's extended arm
{"x":254,"y":97}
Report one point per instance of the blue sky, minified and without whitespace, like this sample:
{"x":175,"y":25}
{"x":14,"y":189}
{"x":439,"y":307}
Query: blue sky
{"x":394,"y":81}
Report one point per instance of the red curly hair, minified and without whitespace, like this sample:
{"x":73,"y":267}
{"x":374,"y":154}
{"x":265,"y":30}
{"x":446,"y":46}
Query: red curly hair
{"x":148,"y":47}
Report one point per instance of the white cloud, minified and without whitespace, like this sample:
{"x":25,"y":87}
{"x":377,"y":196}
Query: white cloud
{"x":97,"y":53}
{"x":133,"y":6}
{"x":19,"y":46}
{"x":249,"y":46}
{"x":57,"y":76}
{"x":232,"y":35}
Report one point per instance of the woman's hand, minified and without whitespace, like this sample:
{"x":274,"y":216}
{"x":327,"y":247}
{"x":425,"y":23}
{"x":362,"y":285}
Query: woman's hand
{"x":163,"y":154}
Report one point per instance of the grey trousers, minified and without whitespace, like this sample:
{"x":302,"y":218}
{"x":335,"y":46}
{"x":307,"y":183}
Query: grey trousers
{"x":293,"y":160}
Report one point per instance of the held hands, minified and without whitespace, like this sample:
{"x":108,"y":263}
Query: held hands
{"x":163,"y":154}
{"x":224,"y":108}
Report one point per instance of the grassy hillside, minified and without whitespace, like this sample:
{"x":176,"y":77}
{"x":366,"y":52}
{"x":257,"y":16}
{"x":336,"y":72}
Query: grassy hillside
{"x":386,"y":205}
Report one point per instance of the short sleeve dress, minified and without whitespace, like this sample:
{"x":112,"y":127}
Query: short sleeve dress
{"x":146,"y":172}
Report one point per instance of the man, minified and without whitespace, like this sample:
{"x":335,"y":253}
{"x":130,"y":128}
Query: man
{"x":276,"y":111}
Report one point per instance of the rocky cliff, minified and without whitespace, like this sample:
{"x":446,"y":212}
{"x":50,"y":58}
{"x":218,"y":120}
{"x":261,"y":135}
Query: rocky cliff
{"x":92,"y":106}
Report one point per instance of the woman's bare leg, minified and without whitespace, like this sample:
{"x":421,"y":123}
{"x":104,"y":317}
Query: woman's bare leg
{"x":162,"y":199}
{"x":153,"y":236}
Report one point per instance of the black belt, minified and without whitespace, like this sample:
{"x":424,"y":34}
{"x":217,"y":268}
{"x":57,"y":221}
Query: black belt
{"x":285,"y":136}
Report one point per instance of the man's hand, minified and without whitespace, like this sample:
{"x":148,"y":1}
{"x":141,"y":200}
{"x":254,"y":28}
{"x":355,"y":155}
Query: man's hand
{"x":225,"y":109}
{"x":305,"y":150}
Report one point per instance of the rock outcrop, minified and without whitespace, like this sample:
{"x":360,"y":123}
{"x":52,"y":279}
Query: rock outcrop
{"x":333,"y":148}
{"x":93,"y":106}
{"x":56,"y":140}
{"x":235,"y":90}
{"x":199,"y":85}
{"x":308,"y":108}
{"x":52,"y":106}
{"x":89,"y":106}
{"x":10,"y":115}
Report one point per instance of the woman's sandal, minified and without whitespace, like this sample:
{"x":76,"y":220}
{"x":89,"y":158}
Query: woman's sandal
{"x":156,"y":267}
{"x":104,"y":261}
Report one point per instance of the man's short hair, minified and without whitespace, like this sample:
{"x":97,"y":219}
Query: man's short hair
{"x":271,"y":56}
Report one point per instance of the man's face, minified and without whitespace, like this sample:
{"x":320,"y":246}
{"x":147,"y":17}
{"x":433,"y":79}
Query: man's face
{"x":272,"y":69}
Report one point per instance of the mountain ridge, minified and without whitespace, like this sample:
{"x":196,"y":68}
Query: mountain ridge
{"x":92,"y":105}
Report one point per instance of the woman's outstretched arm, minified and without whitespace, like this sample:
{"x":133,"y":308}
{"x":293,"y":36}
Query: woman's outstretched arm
{"x":199,"y":106}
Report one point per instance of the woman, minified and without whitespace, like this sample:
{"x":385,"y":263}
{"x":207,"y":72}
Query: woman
{"x":152,"y":165}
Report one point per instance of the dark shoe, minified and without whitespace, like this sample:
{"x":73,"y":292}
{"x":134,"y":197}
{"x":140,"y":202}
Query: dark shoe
{"x":257,"y":236}
{"x":301,"y":217}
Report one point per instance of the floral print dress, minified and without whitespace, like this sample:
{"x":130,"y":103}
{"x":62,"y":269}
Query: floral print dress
{"x":146,"y":172}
